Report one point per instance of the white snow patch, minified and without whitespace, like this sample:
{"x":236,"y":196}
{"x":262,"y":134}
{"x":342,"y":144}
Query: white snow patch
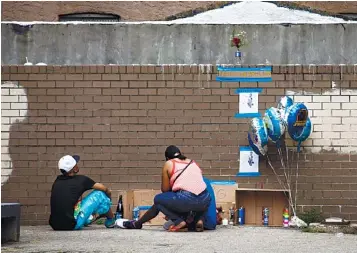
{"x":258,"y":12}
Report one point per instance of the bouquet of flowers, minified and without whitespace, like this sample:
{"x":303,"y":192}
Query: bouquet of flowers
{"x":238,"y":39}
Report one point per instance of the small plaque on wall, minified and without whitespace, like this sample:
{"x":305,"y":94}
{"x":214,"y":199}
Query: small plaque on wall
{"x":248,"y":162}
{"x":248,"y":102}
{"x":234,"y":74}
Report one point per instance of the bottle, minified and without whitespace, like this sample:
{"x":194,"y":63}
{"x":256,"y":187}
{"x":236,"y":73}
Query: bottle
{"x":119,"y":212}
{"x":241,"y":216}
{"x":231,"y":216}
{"x":136,"y":212}
{"x":232,"y":213}
{"x":286,"y":217}
{"x":265,"y":216}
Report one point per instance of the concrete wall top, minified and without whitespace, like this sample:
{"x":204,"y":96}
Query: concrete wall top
{"x":123,"y":43}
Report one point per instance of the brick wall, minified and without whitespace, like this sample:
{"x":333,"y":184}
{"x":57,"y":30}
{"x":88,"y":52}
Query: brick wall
{"x":144,"y":11}
{"x":120,"y":119}
{"x":127,"y":10}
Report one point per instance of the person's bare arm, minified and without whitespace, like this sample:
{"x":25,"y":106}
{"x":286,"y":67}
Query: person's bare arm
{"x":101,"y":187}
{"x":165,"y":181}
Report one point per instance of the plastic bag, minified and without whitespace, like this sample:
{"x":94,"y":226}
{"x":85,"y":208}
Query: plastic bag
{"x":210,"y":217}
{"x":297,"y":222}
{"x":97,"y":202}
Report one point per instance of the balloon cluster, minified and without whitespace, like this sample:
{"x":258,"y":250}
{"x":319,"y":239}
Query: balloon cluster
{"x":289,"y":116}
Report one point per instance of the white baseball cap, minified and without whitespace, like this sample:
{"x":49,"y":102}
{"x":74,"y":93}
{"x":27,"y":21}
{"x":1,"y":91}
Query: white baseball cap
{"x":67,"y":162}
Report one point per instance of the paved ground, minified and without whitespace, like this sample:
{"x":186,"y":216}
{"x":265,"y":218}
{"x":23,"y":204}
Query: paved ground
{"x":155,"y":239}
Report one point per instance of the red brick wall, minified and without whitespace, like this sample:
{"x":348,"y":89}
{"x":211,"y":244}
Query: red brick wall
{"x":119,"y":119}
{"x":127,"y":10}
{"x":141,"y":11}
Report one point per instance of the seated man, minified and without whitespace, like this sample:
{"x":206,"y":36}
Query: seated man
{"x":66,"y":192}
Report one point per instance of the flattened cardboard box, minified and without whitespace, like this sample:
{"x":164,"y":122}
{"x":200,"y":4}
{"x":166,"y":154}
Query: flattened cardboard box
{"x":254,"y":200}
{"x":225,"y":193}
{"x":146,"y":198}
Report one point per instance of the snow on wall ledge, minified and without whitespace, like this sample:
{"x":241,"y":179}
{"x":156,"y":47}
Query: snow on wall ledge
{"x":333,"y":114}
{"x":14,"y":108}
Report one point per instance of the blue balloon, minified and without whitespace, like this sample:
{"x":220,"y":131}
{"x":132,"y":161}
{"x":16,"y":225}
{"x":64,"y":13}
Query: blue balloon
{"x":284,"y":103}
{"x":258,"y":136}
{"x":305,"y":132}
{"x":296,"y":118}
{"x":274,"y":124}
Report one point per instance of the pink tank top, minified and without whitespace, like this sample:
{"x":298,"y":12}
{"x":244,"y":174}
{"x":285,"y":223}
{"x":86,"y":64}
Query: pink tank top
{"x":191,"y":179}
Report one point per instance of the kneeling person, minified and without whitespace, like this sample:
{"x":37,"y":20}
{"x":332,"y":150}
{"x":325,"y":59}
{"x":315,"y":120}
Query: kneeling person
{"x":184,"y":199}
{"x":66,"y":192}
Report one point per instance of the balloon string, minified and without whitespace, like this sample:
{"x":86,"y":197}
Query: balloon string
{"x":282,"y":161}
{"x":287,"y":161}
{"x":296,"y":178}
{"x":285,"y":174}
{"x":281,"y":183}
{"x":289,"y":168}
{"x":283,"y":165}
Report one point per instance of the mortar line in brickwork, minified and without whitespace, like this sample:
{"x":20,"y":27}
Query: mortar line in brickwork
{"x":167,"y":86}
{"x":199,"y":89}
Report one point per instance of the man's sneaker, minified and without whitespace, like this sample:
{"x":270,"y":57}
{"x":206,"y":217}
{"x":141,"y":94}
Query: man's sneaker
{"x":119,"y":223}
{"x":128,"y":224}
{"x":109,"y":223}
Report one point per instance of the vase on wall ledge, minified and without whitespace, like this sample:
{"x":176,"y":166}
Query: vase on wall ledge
{"x":239,"y":54}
